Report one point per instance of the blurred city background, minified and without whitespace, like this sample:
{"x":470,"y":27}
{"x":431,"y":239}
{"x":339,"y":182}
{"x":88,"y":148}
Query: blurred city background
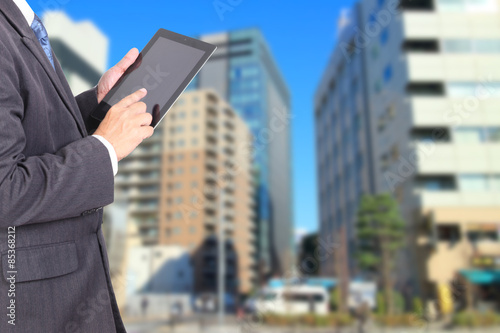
{"x":341,"y":157}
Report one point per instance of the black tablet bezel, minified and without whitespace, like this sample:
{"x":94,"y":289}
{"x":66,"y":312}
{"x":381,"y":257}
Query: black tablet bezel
{"x":208,"y":49}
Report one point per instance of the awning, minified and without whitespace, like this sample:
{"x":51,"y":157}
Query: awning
{"x":480,"y":276}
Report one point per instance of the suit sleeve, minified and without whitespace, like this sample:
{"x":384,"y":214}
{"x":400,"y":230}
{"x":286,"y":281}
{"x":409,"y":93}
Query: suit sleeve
{"x":37,"y":189}
{"x":87,"y":102}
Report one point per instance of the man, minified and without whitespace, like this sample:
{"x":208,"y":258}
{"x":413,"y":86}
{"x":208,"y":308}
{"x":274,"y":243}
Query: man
{"x":54,"y":180}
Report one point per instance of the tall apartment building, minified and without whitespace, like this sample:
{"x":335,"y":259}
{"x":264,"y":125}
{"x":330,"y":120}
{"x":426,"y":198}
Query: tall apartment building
{"x":428,"y":73}
{"x":80,"y":47}
{"x":243,"y":72}
{"x":192,"y":177}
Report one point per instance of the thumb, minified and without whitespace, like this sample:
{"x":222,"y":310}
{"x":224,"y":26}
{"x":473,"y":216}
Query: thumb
{"x":127,"y":60}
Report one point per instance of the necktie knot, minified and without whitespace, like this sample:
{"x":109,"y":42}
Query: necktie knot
{"x":42,"y":36}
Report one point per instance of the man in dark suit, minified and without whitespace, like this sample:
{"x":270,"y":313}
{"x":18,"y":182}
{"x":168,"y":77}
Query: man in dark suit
{"x":54,"y":180}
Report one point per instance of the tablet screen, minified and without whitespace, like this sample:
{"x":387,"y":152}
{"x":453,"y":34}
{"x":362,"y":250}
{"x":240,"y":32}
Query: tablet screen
{"x":165,"y":68}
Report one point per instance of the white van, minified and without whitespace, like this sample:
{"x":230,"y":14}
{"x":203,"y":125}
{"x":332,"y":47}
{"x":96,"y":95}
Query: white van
{"x":293,"y":300}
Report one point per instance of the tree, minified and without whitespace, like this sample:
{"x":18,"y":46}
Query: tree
{"x":381,"y":233}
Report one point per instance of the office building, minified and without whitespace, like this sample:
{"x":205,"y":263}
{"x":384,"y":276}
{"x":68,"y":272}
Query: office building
{"x":428,"y":78}
{"x":243,"y":72}
{"x":80,"y":47}
{"x":192,"y":177}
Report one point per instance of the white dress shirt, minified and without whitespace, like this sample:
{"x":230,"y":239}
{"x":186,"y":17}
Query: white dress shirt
{"x":29,"y":15}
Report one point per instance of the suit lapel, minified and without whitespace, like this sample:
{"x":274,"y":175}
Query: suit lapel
{"x":17,"y":20}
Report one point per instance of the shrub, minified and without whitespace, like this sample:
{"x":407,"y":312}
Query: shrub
{"x":475,"y":319}
{"x":418,"y":306}
{"x":334,"y":299}
{"x":399,"y":302}
{"x":309,"y":320}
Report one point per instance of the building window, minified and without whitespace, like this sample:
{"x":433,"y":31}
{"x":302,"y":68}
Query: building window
{"x":483,"y":232}
{"x":429,"y":134}
{"x":195,"y":127}
{"x":384,"y":36}
{"x":178,"y":186}
{"x":177,"y":231}
{"x":195,"y":156}
{"x":457,"y":45}
{"x":178,"y":215}
{"x":421,"y":45}
{"x":178,"y":200}
{"x":194,"y":170}
{"x":387,"y":73}
{"x":473,"y":182}
{"x":435,"y":183}
{"x":468,"y":135}
{"x":192,"y":230}
{"x":194,"y":142}
{"x":425,"y":89}
{"x":194,"y":184}
{"x":416,"y":5}
{"x":196,"y":113}
{"x":180,"y":157}
{"x":466,"y":5}
{"x":448,"y":232}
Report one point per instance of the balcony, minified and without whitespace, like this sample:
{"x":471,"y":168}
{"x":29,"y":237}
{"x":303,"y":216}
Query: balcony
{"x":211,"y":150}
{"x":147,"y":150}
{"x":229,"y":150}
{"x":211,"y":123}
{"x":210,"y":207}
{"x":211,"y":163}
{"x":229,"y":124}
{"x":210,"y":192}
{"x":143,"y":208}
{"x":211,"y":221}
{"x":139,"y":165}
{"x":229,"y":137}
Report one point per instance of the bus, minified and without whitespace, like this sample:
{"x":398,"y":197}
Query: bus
{"x":293,"y":300}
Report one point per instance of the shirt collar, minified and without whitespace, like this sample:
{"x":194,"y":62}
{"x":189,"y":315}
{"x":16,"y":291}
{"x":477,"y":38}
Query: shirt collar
{"x":26,"y":10}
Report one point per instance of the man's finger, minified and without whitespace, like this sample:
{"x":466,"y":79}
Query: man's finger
{"x":133,"y":98}
{"x":127,"y":60}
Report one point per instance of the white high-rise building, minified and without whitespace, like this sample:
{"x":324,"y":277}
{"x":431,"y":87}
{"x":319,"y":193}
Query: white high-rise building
{"x":80,"y":47}
{"x":409,"y":104}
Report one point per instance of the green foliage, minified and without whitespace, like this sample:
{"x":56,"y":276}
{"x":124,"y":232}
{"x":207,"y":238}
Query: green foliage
{"x":309,"y":320}
{"x":381,"y":233}
{"x":379,"y":228}
{"x":398,"y":320}
{"x":334,"y":299}
{"x":381,"y":306}
{"x":475,"y":319}
{"x":418,"y":306}
{"x":399,"y":302}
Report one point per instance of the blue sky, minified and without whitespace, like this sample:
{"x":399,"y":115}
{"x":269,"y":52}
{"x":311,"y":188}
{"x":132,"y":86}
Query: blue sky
{"x":301,"y":36}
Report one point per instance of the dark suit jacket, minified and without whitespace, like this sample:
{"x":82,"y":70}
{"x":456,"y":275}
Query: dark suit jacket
{"x":53,"y":180}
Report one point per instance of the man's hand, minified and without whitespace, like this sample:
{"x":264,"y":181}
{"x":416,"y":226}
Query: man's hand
{"x":109,"y":79}
{"x":126,"y":124}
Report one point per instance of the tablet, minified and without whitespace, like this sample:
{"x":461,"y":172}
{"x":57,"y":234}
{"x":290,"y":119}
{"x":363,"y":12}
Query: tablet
{"x":165,"y":67}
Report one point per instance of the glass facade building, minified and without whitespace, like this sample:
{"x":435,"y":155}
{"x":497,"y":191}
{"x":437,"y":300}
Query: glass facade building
{"x":243,"y":72}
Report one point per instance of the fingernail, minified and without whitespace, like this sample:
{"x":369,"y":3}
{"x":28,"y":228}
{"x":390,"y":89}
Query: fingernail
{"x":143,"y":90}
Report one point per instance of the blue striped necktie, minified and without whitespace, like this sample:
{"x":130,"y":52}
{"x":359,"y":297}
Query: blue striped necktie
{"x":43,"y":38}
